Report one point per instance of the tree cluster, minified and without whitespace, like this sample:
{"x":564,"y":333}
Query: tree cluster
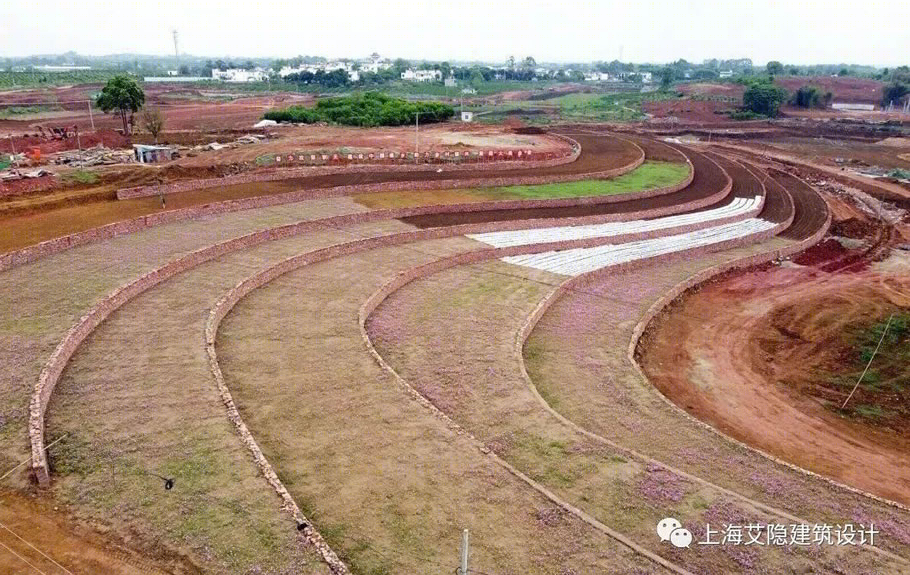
{"x":333,"y":79}
{"x":368,"y":109}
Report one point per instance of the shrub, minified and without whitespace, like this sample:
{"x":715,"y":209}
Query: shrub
{"x":810,"y":97}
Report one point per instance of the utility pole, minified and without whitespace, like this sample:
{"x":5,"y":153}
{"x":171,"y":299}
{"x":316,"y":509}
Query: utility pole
{"x":176,"y":52}
{"x":90,"y":116}
{"x":464,"y":553}
{"x":12,"y":145}
{"x":416,"y":137}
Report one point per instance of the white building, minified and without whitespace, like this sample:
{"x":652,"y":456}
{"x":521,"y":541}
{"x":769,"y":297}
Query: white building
{"x":239,"y":75}
{"x":348,"y":67}
{"x":597,"y":77}
{"x":450,"y":82}
{"x":50,"y":68}
{"x":412,"y":75}
{"x":725,"y":74}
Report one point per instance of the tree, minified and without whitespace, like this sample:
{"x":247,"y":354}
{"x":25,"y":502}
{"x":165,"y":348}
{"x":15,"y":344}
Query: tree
{"x":775,"y":68}
{"x":810,"y":97}
{"x":510,"y":63}
{"x":123,"y":95}
{"x":153,"y":121}
{"x":666,"y":79}
{"x":764,"y":98}
{"x":529,"y":63}
{"x":893,"y":92}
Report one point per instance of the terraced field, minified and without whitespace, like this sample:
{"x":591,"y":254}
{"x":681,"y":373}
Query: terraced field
{"x":336,"y":382}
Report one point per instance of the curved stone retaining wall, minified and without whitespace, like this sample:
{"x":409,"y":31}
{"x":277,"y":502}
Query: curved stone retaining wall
{"x":265,"y":276}
{"x":500,"y":161}
{"x":49,"y":376}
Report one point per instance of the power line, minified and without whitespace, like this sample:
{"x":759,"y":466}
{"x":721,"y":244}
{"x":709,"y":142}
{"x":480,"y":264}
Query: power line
{"x":884,"y":332}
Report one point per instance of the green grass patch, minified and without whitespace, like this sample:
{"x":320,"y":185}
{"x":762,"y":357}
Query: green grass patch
{"x":80,"y":177}
{"x":4,"y":163}
{"x":265,"y":160}
{"x":16,"y":111}
{"x":615,"y":107}
{"x":649,"y":175}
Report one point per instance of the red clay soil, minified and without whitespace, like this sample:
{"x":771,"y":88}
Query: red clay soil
{"x":843,"y":88}
{"x":811,"y":209}
{"x":778,"y":203}
{"x":745,"y":184}
{"x":63,"y":542}
{"x":708,"y":179}
{"x":658,"y":151}
{"x":690,"y":111}
{"x":184,"y":107}
{"x":88,"y":139}
{"x":720,"y":355}
{"x":821,"y":253}
{"x":729,"y":90}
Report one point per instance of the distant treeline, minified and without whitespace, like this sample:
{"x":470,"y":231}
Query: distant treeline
{"x":369,"y":109}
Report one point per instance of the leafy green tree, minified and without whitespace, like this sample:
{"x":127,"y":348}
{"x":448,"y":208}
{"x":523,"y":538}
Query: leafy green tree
{"x":529,"y":63}
{"x":123,"y":95}
{"x":775,"y":68}
{"x":764,"y":98}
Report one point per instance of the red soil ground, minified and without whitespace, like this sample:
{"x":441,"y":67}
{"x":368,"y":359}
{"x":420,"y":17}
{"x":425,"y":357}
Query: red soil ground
{"x":725,"y":372}
{"x":842,"y":88}
{"x":183,"y":107}
{"x":690,"y":111}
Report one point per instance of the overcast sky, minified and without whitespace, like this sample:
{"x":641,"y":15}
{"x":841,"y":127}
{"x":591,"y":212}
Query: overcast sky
{"x":873,"y":32}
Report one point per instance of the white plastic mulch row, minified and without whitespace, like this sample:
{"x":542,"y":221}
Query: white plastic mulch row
{"x":739,"y":206}
{"x":577,"y":261}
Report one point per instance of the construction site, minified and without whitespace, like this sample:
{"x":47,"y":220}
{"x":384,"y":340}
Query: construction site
{"x":676,"y":343}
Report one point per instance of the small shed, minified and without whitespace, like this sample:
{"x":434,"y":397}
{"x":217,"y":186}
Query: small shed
{"x":153,"y":154}
{"x":467,"y":116}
